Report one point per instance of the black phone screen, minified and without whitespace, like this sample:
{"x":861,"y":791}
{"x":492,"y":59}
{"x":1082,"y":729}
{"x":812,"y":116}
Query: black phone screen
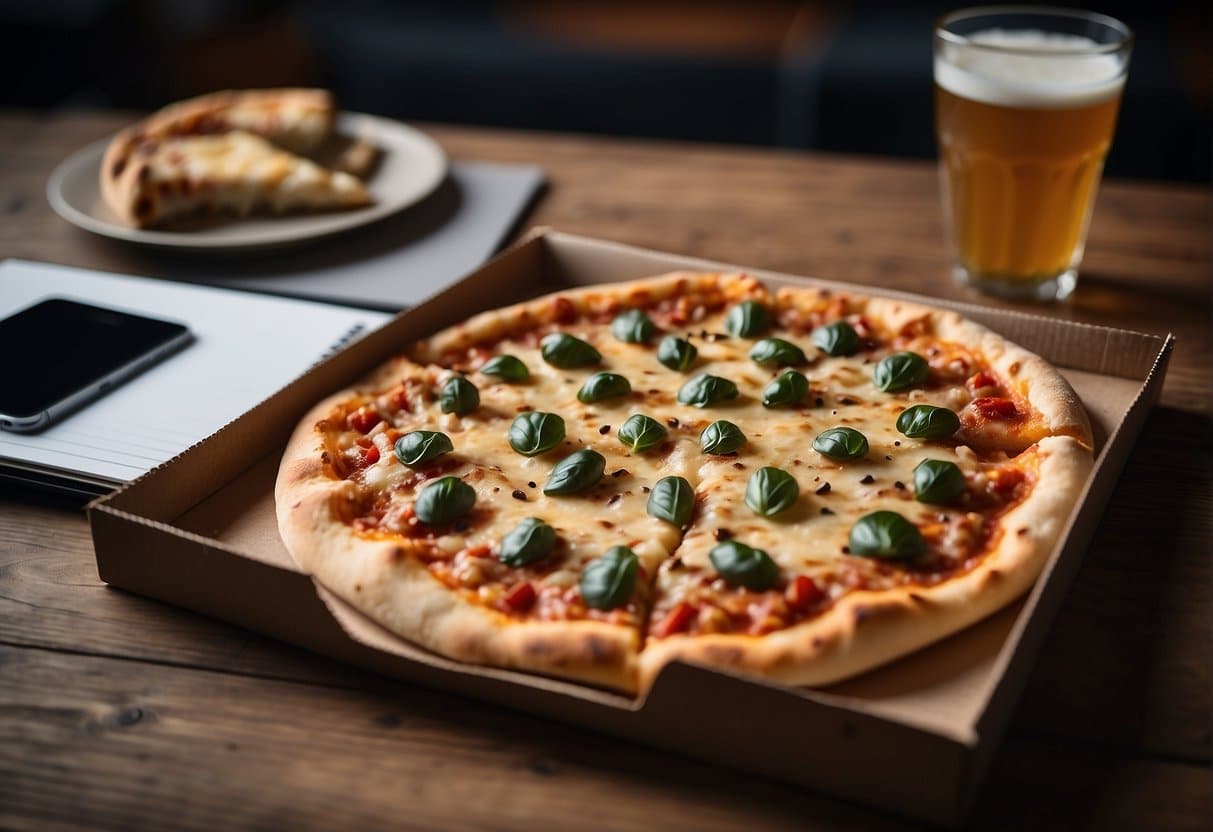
{"x":56,"y":347}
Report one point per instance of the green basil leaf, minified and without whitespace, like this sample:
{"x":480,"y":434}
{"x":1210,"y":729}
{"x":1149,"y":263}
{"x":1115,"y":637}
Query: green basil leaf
{"x":576,"y":472}
{"x":642,"y":432}
{"x":785,"y":390}
{"x":924,"y":421}
{"x":672,"y":499}
{"x":885,"y":534}
{"x":633,"y":327}
{"x":778,"y":352}
{"x":676,"y":353}
{"x":506,"y":368}
{"x":721,"y":437}
{"x":608,"y":581}
{"x":421,"y":446}
{"x":528,"y":542}
{"x":567,"y":351}
{"x":770,"y":491}
{"x":746,"y":319}
{"x":938,"y":481}
{"x":603,"y":386}
{"x":900,"y":371}
{"x":841,"y":443}
{"x":705,"y":390}
{"x":444,"y":500}
{"x":838,"y":338}
{"x":743,"y":565}
{"x":535,"y":432}
{"x":459,"y":396}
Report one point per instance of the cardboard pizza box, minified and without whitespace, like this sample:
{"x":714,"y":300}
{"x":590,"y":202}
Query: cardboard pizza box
{"x":200,"y":532}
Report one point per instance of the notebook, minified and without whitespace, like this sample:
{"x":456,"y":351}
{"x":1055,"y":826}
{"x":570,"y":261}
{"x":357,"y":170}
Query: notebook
{"x":246,"y":347}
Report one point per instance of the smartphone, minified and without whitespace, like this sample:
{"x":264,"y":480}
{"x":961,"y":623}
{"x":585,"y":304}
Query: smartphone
{"x":60,"y":354}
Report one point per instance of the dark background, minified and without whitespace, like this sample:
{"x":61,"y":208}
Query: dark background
{"x":848,"y":77}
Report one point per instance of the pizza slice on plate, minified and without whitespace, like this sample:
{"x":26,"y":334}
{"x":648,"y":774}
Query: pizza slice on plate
{"x":234,"y":173}
{"x":235,"y":152}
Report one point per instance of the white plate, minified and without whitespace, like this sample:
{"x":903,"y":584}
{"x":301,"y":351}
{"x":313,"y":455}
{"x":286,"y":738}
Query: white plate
{"x":410,"y":166}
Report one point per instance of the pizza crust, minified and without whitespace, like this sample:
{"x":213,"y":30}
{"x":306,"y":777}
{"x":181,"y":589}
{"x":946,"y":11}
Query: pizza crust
{"x":866,"y":629}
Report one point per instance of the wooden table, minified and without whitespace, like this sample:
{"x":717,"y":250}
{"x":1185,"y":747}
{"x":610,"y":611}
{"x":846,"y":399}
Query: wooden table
{"x":120,"y":711}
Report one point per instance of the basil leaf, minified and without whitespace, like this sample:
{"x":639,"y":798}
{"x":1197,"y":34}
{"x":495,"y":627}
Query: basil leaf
{"x":705,"y":390}
{"x":528,"y":542}
{"x":676,"y":353}
{"x":633,"y":327}
{"x":743,"y":565}
{"x":672,"y":499}
{"x":841,"y":443}
{"x":566,"y":351}
{"x":534,"y":432}
{"x":608,"y":581}
{"x":924,"y":421}
{"x":770,"y":491}
{"x":576,"y":472}
{"x":885,"y":534}
{"x":642,"y":432}
{"x":746,"y":319}
{"x":506,"y":368}
{"x":778,"y":352}
{"x":603,"y":386}
{"x":721,"y":437}
{"x":444,"y":500}
{"x":900,"y":371}
{"x":938,"y":481}
{"x":459,"y":396}
{"x":421,"y":446}
{"x":788,"y":389}
{"x":838,"y":338}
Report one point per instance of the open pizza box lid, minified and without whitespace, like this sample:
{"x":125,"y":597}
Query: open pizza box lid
{"x":913,"y":736}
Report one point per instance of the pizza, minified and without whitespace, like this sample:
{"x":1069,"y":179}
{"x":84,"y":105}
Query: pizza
{"x":796,"y":483}
{"x":233,"y":153}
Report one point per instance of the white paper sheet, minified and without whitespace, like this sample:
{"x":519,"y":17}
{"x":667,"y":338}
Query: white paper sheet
{"x":245,"y":348}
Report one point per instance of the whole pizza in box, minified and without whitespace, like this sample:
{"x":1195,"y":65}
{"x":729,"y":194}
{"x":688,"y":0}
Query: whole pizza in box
{"x":800,"y":484}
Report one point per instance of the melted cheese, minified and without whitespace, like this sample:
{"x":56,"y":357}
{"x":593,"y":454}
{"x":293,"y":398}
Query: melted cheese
{"x":808,"y":539}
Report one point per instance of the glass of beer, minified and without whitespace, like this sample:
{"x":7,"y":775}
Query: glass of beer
{"x":1025,"y":105}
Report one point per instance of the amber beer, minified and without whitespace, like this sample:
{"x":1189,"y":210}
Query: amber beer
{"x":1024,"y":121}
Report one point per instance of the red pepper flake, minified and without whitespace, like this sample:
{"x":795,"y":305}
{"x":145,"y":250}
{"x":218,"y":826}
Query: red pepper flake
{"x":995,"y":407}
{"x":363,"y":419}
{"x":676,"y":620}
{"x":478,"y":552}
{"x":802,"y":593}
{"x":520,"y":598}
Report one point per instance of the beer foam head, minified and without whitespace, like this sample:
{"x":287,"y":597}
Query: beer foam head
{"x":1028,"y":68}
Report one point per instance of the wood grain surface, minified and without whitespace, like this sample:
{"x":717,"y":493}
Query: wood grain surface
{"x":120,"y":712}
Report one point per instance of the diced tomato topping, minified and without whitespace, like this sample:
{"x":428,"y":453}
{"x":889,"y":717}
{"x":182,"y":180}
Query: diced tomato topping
{"x":995,"y":407}
{"x":676,"y":620}
{"x":563,"y":310}
{"x":1004,"y":481}
{"x":520,"y":598}
{"x":363,"y":419}
{"x":363,"y":456}
{"x":400,"y":400}
{"x":981,"y":379}
{"x":479,"y":552}
{"x":803,"y":593}
{"x":861,"y":325}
